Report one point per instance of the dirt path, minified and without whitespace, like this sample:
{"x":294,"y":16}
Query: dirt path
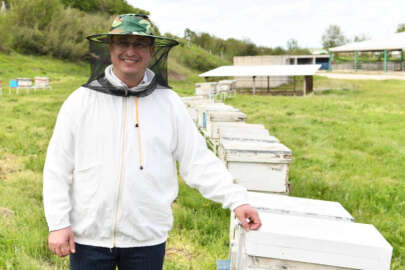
{"x":352,"y":76}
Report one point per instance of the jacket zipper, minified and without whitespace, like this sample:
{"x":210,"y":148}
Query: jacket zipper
{"x":121,"y":170}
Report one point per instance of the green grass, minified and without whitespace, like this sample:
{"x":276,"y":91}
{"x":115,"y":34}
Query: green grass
{"x":348,"y":146}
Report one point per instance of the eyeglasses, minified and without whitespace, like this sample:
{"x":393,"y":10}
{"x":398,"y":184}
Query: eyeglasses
{"x":138,"y":45}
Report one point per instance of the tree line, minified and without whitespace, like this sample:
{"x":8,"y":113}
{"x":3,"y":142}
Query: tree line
{"x":227,"y":48}
{"x":58,"y":28}
{"x":334,"y":36}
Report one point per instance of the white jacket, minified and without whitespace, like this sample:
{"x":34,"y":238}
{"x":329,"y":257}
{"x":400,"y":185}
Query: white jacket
{"x":92,"y":177}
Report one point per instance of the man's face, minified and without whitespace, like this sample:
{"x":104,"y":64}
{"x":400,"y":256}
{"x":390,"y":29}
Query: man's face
{"x":130,"y":56}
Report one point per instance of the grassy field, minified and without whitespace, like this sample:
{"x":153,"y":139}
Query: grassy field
{"x":348,"y":146}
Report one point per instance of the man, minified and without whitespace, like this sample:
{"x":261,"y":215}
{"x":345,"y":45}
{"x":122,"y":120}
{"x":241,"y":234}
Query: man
{"x":110,"y":172}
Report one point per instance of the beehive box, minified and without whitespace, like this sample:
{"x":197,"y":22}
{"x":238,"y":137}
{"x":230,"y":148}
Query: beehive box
{"x":187,"y":100}
{"x":297,"y":242}
{"x":41,"y":82}
{"x":207,"y":89}
{"x":281,"y":204}
{"x":24,"y":82}
{"x":215,"y":117}
{"x":256,"y":165}
{"x":239,"y":127}
{"x":191,"y":104}
{"x":204,"y":109}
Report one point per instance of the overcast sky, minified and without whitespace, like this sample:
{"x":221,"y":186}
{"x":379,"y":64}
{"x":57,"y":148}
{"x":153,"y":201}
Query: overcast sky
{"x":272,"y":22}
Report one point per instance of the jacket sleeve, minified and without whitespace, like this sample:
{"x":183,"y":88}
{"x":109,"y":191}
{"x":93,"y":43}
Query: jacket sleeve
{"x":58,"y":170}
{"x":200,"y":168}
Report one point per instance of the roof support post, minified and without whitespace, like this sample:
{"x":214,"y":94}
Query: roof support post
{"x":268,"y":84}
{"x":402,"y":60}
{"x":254,"y":85}
{"x":308,"y":85}
{"x":330,"y":61}
{"x":356,"y":60}
{"x":385,"y":60}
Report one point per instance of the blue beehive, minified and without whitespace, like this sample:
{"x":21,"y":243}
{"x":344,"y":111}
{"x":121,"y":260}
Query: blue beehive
{"x":223,"y":264}
{"x":13,"y":84}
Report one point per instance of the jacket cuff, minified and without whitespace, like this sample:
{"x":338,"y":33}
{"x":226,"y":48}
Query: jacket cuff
{"x":239,"y":199}
{"x":58,"y":226}
{"x":237,"y":204}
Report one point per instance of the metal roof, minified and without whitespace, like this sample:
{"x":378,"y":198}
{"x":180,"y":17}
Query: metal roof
{"x":393,"y":42}
{"x":269,"y":70}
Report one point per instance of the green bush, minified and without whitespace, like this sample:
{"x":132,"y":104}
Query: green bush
{"x":196,"y":58}
{"x":66,"y":36}
{"x":44,"y":27}
{"x":109,"y":6}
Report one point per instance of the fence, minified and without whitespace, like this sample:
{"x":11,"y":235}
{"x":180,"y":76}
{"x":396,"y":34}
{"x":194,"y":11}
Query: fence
{"x":370,"y":66}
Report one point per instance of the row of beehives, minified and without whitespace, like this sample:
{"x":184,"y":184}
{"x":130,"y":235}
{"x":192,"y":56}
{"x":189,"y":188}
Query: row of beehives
{"x":224,"y":88}
{"x":27,"y":84}
{"x":297,"y":233}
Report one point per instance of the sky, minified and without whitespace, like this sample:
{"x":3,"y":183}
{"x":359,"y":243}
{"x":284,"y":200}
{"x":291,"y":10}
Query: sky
{"x":272,"y":23}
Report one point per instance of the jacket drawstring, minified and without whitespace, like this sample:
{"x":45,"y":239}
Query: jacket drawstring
{"x":139,"y":132}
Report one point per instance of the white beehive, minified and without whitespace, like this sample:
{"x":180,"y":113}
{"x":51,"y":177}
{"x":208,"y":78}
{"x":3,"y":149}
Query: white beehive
{"x":191,"y":99}
{"x":281,"y":204}
{"x":238,"y":127}
{"x":207,"y":89}
{"x":191,"y":104}
{"x":24,"y":82}
{"x":214,"y":117}
{"x":204,"y":109}
{"x":41,"y":82}
{"x":256,"y":165}
{"x":297,"y":242}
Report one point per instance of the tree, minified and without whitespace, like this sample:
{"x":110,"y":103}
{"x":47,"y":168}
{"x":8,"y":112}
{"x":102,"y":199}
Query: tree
{"x":401,"y":27}
{"x":292,"y":44}
{"x":333,"y":37}
{"x":361,"y":37}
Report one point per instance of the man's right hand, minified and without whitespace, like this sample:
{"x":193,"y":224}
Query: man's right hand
{"x":61,"y":242}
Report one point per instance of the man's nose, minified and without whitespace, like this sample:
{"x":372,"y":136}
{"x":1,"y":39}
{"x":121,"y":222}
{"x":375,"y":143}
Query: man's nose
{"x":131,"y":50}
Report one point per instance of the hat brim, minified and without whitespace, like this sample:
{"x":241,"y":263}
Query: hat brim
{"x":158,"y":41}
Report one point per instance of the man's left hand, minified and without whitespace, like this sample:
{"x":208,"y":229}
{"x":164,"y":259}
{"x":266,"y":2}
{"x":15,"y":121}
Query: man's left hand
{"x":248,"y":216}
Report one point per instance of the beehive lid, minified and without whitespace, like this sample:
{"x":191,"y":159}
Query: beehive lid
{"x":192,"y":98}
{"x":224,"y":116}
{"x":281,"y":204}
{"x":216,"y":107}
{"x":247,"y":135}
{"x":255,"y":151}
{"x":240,"y":125}
{"x":196,"y":102}
{"x":319,"y":241}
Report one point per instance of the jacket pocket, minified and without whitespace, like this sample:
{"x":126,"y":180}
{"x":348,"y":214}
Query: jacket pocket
{"x":156,"y":213}
{"x":152,"y":222}
{"x":86,"y":182}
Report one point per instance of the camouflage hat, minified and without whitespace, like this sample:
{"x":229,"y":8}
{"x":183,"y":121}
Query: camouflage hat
{"x":133,"y":24}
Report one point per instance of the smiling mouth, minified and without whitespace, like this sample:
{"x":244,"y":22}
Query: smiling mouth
{"x":130,"y":60}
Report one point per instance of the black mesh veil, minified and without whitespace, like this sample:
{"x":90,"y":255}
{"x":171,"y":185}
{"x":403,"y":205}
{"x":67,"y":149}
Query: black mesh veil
{"x":100,"y":59}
